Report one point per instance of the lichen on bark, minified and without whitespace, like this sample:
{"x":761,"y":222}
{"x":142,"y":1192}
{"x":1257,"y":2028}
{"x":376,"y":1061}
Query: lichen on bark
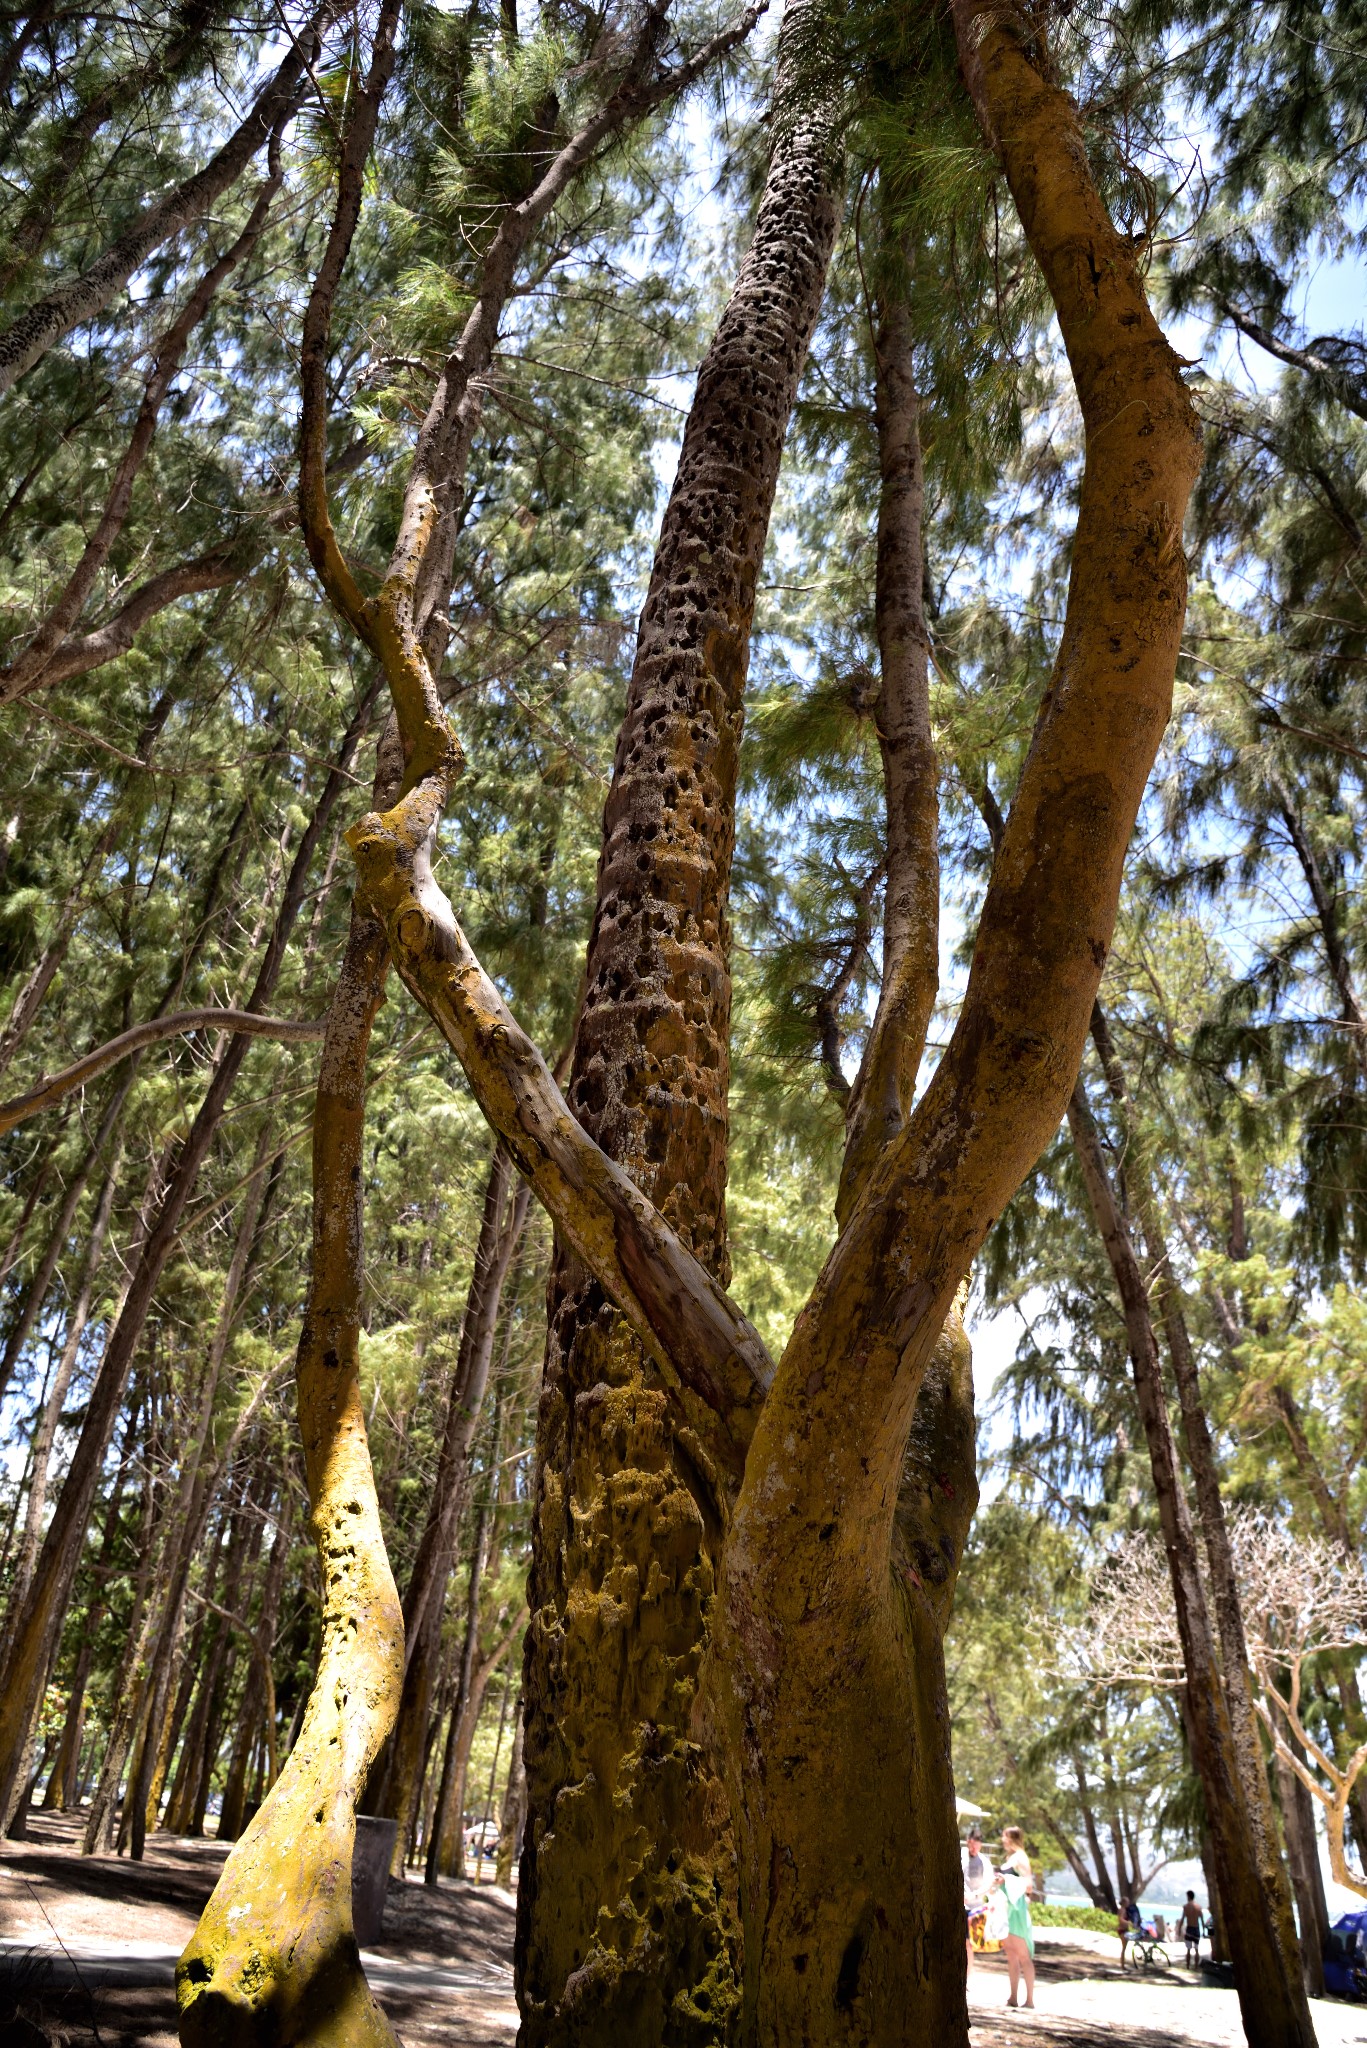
{"x":627,"y":1922}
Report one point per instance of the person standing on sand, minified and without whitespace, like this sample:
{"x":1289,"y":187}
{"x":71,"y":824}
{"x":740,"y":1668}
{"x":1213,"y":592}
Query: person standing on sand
{"x":1017,"y":1880}
{"x":1191,"y":1930}
{"x":978,"y":1876}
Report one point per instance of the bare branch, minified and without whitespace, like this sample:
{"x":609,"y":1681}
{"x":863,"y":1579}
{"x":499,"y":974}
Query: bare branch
{"x":287,"y":1030}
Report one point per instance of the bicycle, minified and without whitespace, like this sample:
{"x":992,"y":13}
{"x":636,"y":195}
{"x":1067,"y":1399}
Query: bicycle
{"x":1148,"y":1952}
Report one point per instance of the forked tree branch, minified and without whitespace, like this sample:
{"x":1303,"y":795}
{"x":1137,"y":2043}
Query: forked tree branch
{"x":688,"y":1324}
{"x":78,"y":654}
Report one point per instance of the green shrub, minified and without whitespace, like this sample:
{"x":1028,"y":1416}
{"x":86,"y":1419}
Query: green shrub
{"x":1046,"y":1915}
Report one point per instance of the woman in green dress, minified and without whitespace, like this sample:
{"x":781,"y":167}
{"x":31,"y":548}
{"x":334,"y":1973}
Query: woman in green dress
{"x":1017,"y":1880}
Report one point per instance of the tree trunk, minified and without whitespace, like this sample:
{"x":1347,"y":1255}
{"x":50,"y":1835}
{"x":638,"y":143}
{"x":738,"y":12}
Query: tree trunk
{"x":258,"y":1693}
{"x":1303,"y":1856}
{"x":424,"y":1600}
{"x":44,"y":1609}
{"x":274,"y":1957}
{"x":626,"y":1927}
{"x":514,"y":1814}
{"x":46,"y":1431}
{"x":200,"y":1475}
{"x":37,"y":1290}
{"x":1271,"y":1993}
{"x":1224,"y":1584}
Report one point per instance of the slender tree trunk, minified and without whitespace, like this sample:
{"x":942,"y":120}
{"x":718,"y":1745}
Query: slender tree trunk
{"x":44,"y":1608}
{"x":60,"y":1795}
{"x":200,"y":1475}
{"x":513,"y":1814}
{"x":274,"y":1957}
{"x":37,"y":1291}
{"x":1302,"y":1854}
{"x":194,"y":1775}
{"x":445,"y":1856}
{"x":446,"y":1851}
{"x":63,"y":1784}
{"x":501,"y":1229}
{"x":1224,"y":1584}
{"x":256,"y":1691}
{"x":1271,"y":1993}
{"x":46,"y":1431}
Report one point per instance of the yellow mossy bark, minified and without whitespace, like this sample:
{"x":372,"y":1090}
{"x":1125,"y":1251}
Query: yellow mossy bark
{"x":274,"y":1958}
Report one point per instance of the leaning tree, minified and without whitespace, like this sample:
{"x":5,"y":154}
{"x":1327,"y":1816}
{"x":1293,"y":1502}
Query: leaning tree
{"x":742,"y":1821}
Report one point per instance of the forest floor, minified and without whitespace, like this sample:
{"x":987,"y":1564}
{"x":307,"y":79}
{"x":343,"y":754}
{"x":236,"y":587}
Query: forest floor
{"x":88,"y":1948}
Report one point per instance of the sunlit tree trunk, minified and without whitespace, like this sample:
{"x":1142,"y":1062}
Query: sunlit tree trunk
{"x":1234,"y":1660}
{"x":274,"y":1957}
{"x":626,"y":1898}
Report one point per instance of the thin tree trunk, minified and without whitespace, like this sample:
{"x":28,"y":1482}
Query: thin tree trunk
{"x":514,"y":1814}
{"x":1224,"y":1582}
{"x":45,"y":1606}
{"x":62,"y":1786}
{"x":190,"y":1793}
{"x":493,"y":1778}
{"x":424,"y":1603}
{"x":52,"y":1410}
{"x":444,"y":1854}
{"x":1302,"y":1855}
{"x":1271,"y":1993}
{"x":258,"y":1693}
{"x":274,"y":1954}
{"x":199,"y":1479}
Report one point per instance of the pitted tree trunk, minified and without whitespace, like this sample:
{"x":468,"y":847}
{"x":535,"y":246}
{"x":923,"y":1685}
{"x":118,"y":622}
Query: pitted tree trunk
{"x":626,"y":1903}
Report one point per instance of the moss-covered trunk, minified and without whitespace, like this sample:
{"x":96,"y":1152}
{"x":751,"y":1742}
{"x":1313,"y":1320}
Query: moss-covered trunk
{"x":626,"y":1922}
{"x":274,"y":1958}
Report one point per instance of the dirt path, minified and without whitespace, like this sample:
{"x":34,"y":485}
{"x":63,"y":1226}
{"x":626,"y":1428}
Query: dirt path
{"x":88,"y":1948}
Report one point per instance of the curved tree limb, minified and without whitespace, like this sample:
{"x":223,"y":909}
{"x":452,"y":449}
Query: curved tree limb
{"x":686,"y":1321}
{"x":50,"y":1090}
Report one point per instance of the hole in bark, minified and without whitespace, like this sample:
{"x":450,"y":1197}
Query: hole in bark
{"x":799,"y":1964}
{"x":847,"y":1983}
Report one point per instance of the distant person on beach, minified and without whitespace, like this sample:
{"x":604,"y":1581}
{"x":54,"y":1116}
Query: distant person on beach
{"x":1191,"y":1929}
{"x":978,"y":1875}
{"x":1017,"y":1880}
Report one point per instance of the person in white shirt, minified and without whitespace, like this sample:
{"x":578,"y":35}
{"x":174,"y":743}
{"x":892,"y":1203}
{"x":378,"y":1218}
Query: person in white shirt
{"x":978,"y":1875}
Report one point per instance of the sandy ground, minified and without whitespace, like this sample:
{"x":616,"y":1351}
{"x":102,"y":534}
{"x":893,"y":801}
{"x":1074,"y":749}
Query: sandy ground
{"x":88,"y":1948}
{"x":1083,"y":1996}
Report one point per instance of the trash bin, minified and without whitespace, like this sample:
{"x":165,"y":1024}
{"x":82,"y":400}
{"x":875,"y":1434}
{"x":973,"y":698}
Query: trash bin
{"x":370,"y":1876}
